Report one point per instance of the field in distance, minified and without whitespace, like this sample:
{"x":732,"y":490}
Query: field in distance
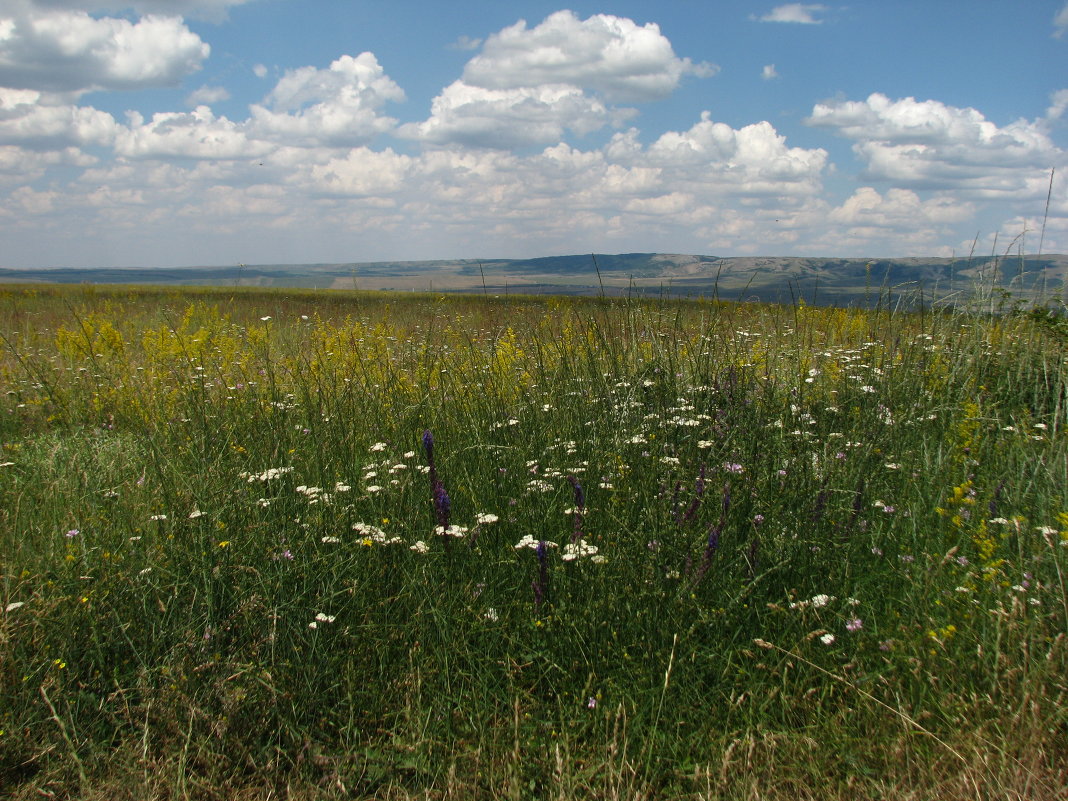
{"x":817,"y":281}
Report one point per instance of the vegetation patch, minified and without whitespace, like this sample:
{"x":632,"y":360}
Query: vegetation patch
{"x":307,"y":544}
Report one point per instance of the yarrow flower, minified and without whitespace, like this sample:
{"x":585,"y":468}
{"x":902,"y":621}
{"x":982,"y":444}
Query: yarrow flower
{"x":578,"y":549}
{"x":484,"y":518}
{"x":451,"y":530}
{"x":528,"y":541}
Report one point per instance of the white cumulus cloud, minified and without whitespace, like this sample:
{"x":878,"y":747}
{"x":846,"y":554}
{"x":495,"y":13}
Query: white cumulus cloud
{"x":70,"y":51}
{"x":27,"y":118}
{"x":510,"y":118}
{"x":610,"y":55}
{"x":337,"y":106}
{"x":197,"y":134}
{"x":932,"y":145}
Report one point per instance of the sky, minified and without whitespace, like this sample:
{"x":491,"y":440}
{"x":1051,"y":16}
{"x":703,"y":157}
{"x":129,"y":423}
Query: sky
{"x":163,"y":133}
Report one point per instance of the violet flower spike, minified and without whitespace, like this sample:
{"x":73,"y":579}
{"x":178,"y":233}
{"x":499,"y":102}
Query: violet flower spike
{"x":580,"y":508}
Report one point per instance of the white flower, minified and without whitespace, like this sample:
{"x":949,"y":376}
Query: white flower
{"x":820,"y":600}
{"x":379,"y":446}
{"x":528,"y":541}
{"x":366,"y":530}
{"x":330,"y":539}
{"x":491,"y":614}
{"x":374,"y":488}
{"x":486,"y":518}
{"x":419,"y":547}
{"x":452,"y":531}
{"x":324,"y":618}
{"x":11,"y":607}
{"x":827,"y":639}
{"x":265,"y":319}
{"x":576,"y":550}
{"x":158,"y":517}
{"x":195,"y":514}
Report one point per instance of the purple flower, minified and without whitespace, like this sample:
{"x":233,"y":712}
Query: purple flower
{"x":856,"y":624}
{"x":73,"y":533}
{"x":580,"y":508}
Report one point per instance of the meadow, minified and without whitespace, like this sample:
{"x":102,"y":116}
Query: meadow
{"x":311,"y":544}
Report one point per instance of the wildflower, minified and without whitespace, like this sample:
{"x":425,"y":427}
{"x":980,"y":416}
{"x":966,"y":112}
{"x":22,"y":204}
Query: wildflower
{"x":827,"y":639}
{"x":419,"y":547}
{"x":73,"y":533}
{"x":578,"y":549}
{"x":591,"y":702}
{"x":379,"y":446}
{"x":856,"y":624}
{"x":733,"y":467}
{"x":452,"y":530}
{"x":330,"y":540}
{"x":158,"y":517}
{"x":324,"y":618}
{"x":265,"y":319}
{"x":528,"y":541}
{"x":491,"y":615}
{"x":485,"y":518}
{"x":195,"y":514}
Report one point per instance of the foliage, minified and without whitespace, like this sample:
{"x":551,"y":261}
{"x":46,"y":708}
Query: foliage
{"x":391,"y":545}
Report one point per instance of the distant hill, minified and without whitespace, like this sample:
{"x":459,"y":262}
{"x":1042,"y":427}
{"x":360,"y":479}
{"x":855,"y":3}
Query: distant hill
{"x":820,"y":281}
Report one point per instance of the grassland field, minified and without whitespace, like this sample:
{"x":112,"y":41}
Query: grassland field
{"x":323,"y":544}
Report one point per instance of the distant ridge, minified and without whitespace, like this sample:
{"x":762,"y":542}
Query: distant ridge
{"x":833,"y":281}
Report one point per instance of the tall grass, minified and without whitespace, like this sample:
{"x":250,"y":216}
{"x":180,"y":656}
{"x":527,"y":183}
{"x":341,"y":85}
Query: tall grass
{"x":663,"y":549}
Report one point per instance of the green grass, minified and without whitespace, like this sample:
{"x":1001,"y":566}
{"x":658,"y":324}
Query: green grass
{"x":830,"y":548}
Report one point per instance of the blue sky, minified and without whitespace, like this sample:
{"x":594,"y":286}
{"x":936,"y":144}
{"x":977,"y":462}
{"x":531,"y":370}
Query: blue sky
{"x":183,"y":132}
